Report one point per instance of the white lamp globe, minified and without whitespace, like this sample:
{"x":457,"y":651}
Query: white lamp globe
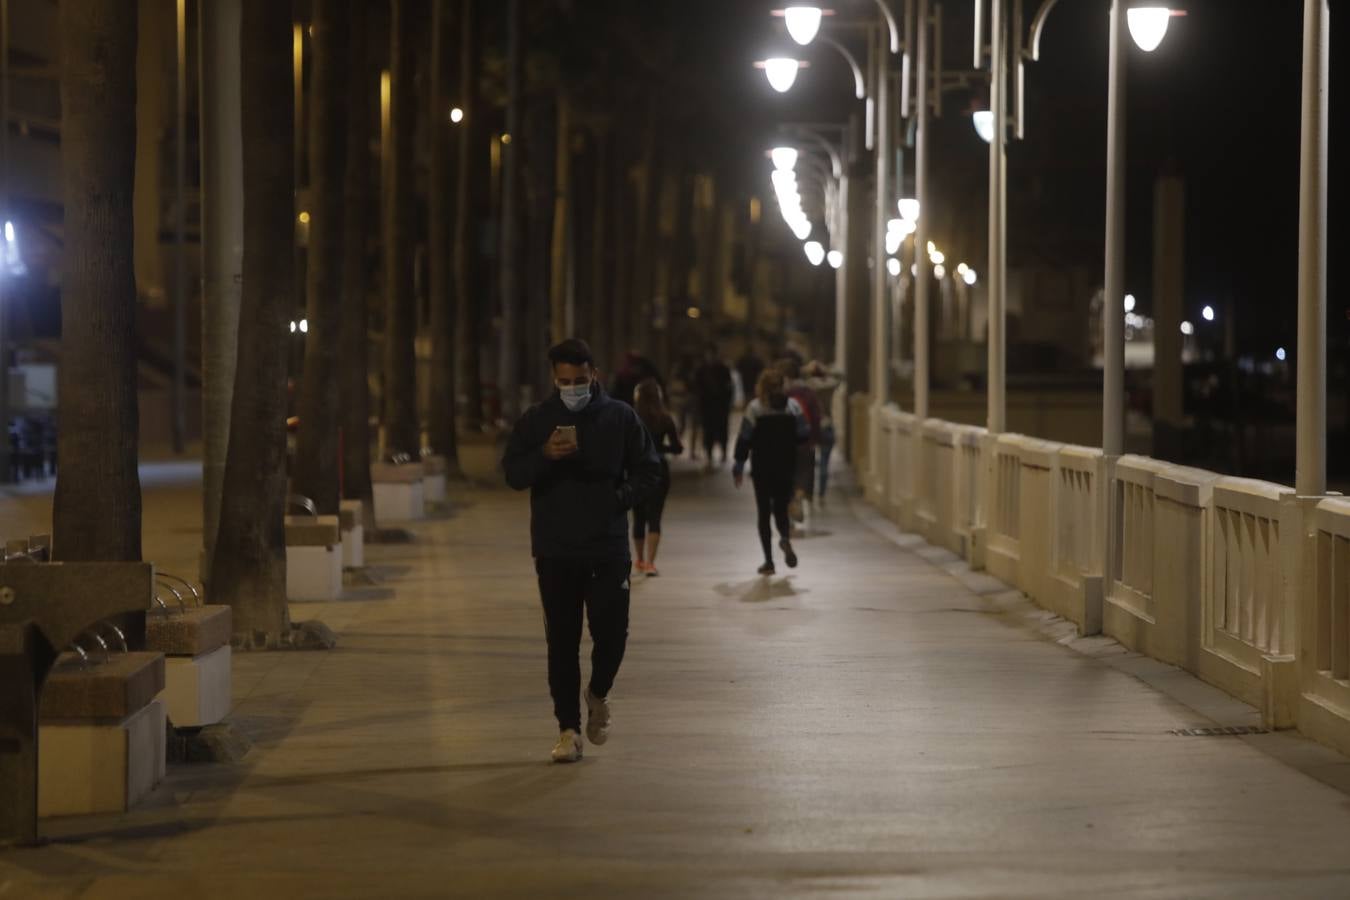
{"x":801,"y":228}
{"x":1129,"y":302}
{"x":939,"y":272}
{"x":893,"y":241}
{"x":969,"y":276}
{"x":893,"y":266}
{"x":836,"y":258}
{"x":803,"y":22}
{"x":894,"y":225}
{"x":1148,"y":25}
{"x":815,"y":253}
{"x":783,"y":179}
{"x":781,"y":72}
{"x":938,"y":257}
{"x":1208,"y":313}
{"x":909,"y":209}
{"x":784,"y":158}
{"x":983,"y":120}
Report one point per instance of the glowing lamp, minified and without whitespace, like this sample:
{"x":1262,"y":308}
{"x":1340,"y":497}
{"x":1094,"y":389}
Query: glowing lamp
{"x":815,"y":253}
{"x":781,"y":72}
{"x":1148,"y":25}
{"x":803,"y":22}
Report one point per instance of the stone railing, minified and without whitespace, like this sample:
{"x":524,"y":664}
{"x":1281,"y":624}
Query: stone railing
{"x":1237,"y":581}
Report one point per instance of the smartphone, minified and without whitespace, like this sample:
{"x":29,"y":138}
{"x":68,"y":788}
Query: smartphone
{"x":569,"y":432}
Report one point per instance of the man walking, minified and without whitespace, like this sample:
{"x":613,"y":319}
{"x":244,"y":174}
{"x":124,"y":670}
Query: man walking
{"x":586,"y":459}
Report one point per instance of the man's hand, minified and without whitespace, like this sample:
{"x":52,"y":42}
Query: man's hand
{"x":739,"y":478}
{"x":558,"y":447}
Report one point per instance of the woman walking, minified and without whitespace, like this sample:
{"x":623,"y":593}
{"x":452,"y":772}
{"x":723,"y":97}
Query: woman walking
{"x":647,"y":514}
{"x":771,"y":429}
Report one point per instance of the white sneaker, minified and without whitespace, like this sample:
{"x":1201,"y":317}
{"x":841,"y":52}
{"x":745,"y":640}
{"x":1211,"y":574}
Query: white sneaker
{"x":597,"y":718}
{"x":568,"y":748}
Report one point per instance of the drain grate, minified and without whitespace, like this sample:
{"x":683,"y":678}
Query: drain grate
{"x":1220,"y":731}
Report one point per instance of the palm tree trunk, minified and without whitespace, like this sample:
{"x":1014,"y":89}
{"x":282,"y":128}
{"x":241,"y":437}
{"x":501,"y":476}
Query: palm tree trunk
{"x":644,"y":264}
{"x":316,"y":468}
{"x":353,"y":329}
{"x":541,"y":134}
{"x":508,"y":380}
{"x":562,"y":218}
{"x":441,"y":421}
{"x":97,"y":513}
{"x":471,"y":178}
{"x":403,"y":432}
{"x":597,"y":299}
{"x":249,"y":569}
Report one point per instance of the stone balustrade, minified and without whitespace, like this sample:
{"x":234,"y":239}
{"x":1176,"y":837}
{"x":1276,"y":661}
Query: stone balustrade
{"x":1238,"y":581}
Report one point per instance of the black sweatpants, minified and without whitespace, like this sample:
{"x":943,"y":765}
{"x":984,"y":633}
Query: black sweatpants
{"x":569,"y":587}
{"x":772,"y":496}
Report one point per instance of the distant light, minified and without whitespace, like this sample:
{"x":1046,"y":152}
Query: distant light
{"x":1280,"y":355}
{"x":914,"y":269}
{"x":784,"y":181}
{"x":893,"y":266}
{"x":781,"y":72}
{"x":293,"y":326}
{"x":1129,"y":302}
{"x":939,"y":272}
{"x":304,"y":326}
{"x":803,"y":22}
{"x":962,"y":269}
{"x":932,"y":248}
{"x":1208,"y":313}
{"x":984,"y":124}
{"x":909,"y":209}
{"x":836,"y":258}
{"x":969,"y":276}
{"x":894,"y":225}
{"x":938,"y":257}
{"x":802,"y":229}
{"x":456,"y":115}
{"x":1148,"y":26}
{"x":784,"y":158}
{"x":1187,"y":329}
{"x":693,"y":312}
{"x":893,"y":241}
{"x":9,"y":232}
{"x":815,"y":253}
{"x":303,"y":217}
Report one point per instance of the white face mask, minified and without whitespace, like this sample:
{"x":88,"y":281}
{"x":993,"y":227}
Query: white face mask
{"x":575,"y":396}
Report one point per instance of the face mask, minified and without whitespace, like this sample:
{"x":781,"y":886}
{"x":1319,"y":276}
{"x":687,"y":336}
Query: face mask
{"x":575,"y":396}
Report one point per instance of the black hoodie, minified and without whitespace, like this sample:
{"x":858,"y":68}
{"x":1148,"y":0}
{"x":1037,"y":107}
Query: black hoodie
{"x":579,"y":506}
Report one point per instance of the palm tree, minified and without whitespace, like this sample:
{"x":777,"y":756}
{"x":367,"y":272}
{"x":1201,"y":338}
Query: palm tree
{"x":441,"y":422}
{"x":509,"y":259}
{"x":97,"y":514}
{"x":317,"y":462}
{"x":470,"y":200}
{"x":249,"y":568}
{"x":353,"y":329}
{"x":403,"y":432}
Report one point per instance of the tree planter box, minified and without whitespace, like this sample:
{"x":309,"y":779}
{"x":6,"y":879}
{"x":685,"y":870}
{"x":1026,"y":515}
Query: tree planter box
{"x":353,"y":534}
{"x":196,"y":646}
{"x":399,"y":492}
{"x":313,"y":558}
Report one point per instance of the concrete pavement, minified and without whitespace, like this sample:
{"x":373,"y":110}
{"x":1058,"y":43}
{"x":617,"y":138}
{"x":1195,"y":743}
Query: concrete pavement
{"x":878,"y":723}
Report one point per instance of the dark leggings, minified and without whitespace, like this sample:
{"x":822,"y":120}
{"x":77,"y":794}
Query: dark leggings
{"x":772,"y":498}
{"x":647,"y":514}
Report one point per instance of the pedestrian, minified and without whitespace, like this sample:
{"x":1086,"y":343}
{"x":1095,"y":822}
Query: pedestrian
{"x":771,"y":429}
{"x":632,"y":370}
{"x":651,"y":409}
{"x":804,"y":480}
{"x":712,"y":384}
{"x":826,"y":384}
{"x":587,"y":460}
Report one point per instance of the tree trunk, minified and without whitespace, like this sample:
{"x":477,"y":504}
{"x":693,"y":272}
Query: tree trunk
{"x":470,"y":199}
{"x":403,"y":432}
{"x":508,"y":378}
{"x":644,"y":263}
{"x":353,"y":329}
{"x":249,"y":569}
{"x":541,"y":135}
{"x":316,"y":464}
{"x":681,"y":264}
{"x":441,"y":421}
{"x":97,"y":512}
{"x":562,"y":218}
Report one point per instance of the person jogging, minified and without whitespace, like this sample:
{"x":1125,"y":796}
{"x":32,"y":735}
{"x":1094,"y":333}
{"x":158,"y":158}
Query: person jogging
{"x":771,"y":429}
{"x":586,"y":460}
{"x":647,"y":514}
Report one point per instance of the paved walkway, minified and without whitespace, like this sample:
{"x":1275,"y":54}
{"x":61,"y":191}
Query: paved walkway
{"x":879,"y":723}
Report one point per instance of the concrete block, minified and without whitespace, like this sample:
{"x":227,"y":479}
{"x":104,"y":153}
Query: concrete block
{"x":197,"y":688}
{"x":390,"y":473}
{"x":87,"y":768}
{"x":314,"y":572}
{"x":433,"y":489}
{"x":312,"y":531}
{"x":192,"y":632}
{"x":399,"y":501}
{"x":353,"y":531}
{"x":108,"y":691}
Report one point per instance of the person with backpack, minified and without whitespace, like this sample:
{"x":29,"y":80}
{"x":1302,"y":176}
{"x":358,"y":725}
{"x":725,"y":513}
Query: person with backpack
{"x":647,"y":514}
{"x":771,"y":430}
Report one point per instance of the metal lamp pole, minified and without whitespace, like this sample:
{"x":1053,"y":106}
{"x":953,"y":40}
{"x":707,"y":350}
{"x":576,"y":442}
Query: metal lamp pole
{"x":1311,"y":465}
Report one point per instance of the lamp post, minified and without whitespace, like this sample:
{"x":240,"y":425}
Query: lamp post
{"x":1310,"y":477}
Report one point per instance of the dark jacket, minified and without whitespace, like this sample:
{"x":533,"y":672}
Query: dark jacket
{"x":579,"y":506}
{"x":769,"y":439}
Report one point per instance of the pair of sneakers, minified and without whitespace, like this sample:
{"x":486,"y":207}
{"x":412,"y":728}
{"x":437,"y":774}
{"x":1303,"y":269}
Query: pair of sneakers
{"x":789,"y":556}
{"x":646,"y":568}
{"x":568,"y":748}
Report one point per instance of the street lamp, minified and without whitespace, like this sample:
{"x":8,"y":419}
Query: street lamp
{"x":781,"y":72}
{"x":983,"y":120}
{"x":893,"y":266}
{"x":803,"y":22}
{"x":836,"y":258}
{"x":815,"y":252}
{"x":909,"y":209}
{"x":1148,"y":26}
{"x":784,"y":158}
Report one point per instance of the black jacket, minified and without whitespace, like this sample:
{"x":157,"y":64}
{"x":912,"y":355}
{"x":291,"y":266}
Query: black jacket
{"x":579,"y":506}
